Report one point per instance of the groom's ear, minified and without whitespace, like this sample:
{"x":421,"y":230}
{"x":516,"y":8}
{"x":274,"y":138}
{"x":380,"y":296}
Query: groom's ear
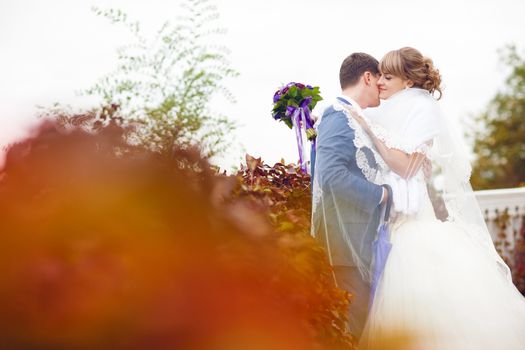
{"x":367,"y":77}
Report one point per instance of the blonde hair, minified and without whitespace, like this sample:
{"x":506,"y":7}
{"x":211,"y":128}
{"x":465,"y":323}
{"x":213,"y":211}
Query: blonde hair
{"x":409,"y":63}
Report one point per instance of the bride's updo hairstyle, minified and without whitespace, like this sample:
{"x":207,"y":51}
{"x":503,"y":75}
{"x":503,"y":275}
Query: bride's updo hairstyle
{"x":409,"y":63}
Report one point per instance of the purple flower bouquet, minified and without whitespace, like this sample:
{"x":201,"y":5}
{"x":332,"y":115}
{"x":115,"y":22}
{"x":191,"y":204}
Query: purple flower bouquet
{"x":292,"y":104}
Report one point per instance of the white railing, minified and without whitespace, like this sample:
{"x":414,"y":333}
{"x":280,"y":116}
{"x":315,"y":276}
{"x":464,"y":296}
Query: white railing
{"x":504,"y":212}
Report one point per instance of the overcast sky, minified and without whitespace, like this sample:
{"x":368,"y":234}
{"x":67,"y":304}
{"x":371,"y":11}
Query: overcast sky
{"x":51,"y":48}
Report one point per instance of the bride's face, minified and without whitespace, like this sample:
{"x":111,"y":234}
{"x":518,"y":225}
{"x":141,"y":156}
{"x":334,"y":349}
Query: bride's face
{"x":390,"y":84}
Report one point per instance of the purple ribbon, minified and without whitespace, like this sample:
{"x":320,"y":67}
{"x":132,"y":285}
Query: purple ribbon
{"x":302,"y":122}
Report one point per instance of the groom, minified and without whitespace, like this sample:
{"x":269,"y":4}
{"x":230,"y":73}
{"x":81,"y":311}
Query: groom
{"x":346,"y":207}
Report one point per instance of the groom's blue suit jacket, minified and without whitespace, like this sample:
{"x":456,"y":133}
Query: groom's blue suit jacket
{"x":348,"y":212}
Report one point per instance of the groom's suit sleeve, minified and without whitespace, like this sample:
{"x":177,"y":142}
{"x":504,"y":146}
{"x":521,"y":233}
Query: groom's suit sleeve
{"x":336,"y":155}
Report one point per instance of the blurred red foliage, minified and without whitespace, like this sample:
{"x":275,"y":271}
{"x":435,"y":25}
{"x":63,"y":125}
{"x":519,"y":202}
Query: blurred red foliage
{"x":108,"y":245}
{"x":283,"y":193}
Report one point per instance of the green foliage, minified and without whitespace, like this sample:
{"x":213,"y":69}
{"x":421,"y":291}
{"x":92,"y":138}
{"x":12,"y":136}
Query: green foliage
{"x":164,"y":84}
{"x":500,"y":140}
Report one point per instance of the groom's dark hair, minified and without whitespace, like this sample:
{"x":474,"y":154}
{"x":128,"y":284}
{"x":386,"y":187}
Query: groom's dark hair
{"x":356,"y":65}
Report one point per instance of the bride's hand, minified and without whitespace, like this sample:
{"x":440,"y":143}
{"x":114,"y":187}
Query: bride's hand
{"x":360,"y":120}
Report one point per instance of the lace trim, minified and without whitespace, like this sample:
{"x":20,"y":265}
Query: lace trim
{"x":362,"y":140}
{"x":317,"y":194}
{"x":362,"y":163}
{"x":389,"y":139}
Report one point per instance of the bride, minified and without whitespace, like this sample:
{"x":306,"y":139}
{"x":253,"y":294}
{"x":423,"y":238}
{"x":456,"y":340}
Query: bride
{"x":443,"y":284}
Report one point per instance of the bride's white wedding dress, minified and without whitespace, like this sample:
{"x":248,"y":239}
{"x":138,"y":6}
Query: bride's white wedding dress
{"x":442,"y":288}
{"x":443,"y":284}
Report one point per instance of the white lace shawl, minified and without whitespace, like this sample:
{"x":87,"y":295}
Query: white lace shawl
{"x":407,"y":194}
{"x":407,"y":121}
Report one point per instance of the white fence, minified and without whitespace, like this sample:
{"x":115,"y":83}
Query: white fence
{"x":504,"y":212}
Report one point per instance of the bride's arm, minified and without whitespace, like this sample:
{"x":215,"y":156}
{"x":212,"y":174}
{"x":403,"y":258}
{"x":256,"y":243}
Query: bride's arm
{"x":404,"y":164}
